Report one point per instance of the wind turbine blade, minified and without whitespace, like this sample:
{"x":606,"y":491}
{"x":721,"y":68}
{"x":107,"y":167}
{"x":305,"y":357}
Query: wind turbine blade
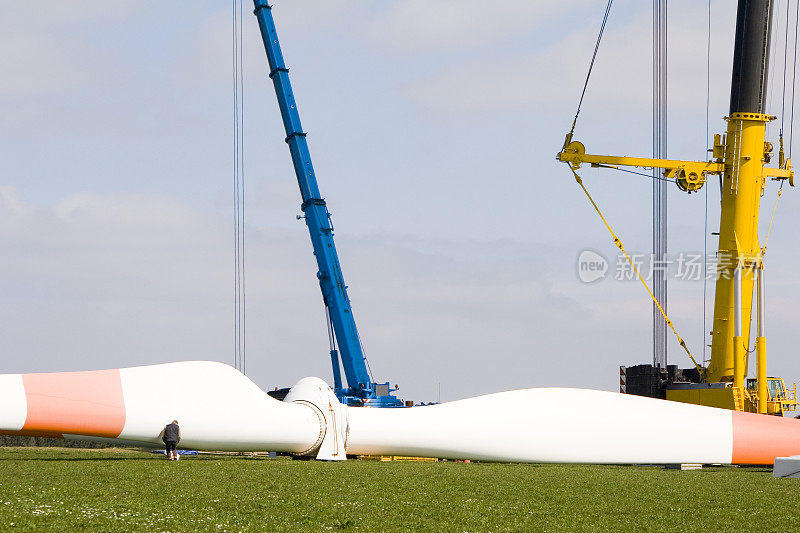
{"x":219,"y":408}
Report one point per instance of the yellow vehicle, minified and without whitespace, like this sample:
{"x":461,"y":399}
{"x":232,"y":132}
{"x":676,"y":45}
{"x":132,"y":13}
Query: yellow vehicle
{"x":779,"y":398}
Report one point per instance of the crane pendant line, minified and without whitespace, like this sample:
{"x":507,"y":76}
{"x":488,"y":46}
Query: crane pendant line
{"x":361,"y":388}
{"x":619,"y":245}
{"x":772,"y":220}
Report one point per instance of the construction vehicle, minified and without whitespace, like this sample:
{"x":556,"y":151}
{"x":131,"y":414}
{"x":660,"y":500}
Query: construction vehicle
{"x":345,"y":343}
{"x":740,"y":158}
{"x":779,"y":399}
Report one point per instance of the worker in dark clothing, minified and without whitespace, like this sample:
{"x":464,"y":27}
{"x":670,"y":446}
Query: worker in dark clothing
{"x":171,"y":438}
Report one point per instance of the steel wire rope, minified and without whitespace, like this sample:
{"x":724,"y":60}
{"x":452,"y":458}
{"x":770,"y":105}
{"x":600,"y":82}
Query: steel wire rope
{"x":363,"y":353}
{"x":794,"y":76}
{"x":705,"y":192}
{"x":243,"y":297}
{"x":660,"y":200}
{"x":618,"y":243}
{"x":785,"y":58}
{"x":783,"y":109}
{"x":783,"y":112}
{"x":771,"y":86}
{"x":235,"y":81}
{"x":591,"y":64}
{"x":239,"y":318}
{"x":651,"y":176}
{"x":774,"y":210}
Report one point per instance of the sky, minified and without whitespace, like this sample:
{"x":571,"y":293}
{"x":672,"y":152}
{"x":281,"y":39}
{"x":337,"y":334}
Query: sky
{"x":433,"y":126}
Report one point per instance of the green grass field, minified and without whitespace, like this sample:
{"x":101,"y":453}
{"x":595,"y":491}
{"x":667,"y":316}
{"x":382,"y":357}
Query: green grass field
{"x":116,"y":490}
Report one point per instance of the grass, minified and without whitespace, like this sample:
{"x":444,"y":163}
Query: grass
{"x":116,"y":490}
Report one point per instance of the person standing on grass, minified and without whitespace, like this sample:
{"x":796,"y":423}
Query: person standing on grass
{"x":171,"y":438}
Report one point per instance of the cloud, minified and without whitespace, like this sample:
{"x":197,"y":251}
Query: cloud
{"x":11,"y":205}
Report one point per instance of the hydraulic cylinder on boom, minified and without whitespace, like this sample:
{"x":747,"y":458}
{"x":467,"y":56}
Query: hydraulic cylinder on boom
{"x":361,"y":389}
{"x":739,"y":157}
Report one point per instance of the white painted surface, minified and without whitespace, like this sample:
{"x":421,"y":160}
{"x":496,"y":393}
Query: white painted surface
{"x":541,"y":425}
{"x":219,"y":408}
{"x":216,"y":406}
{"x":315,"y":394}
{"x":13,"y":405}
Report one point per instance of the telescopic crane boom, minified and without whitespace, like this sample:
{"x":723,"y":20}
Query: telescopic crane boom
{"x":361,"y":388}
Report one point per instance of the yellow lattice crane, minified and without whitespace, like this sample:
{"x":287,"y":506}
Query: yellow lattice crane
{"x":741,"y":156}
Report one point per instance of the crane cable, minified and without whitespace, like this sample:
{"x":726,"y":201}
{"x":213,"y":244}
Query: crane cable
{"x":619,"y":245}
{"x":783,"y":106}
{"x":794,"y":76}
{"x":240,"y":301}
{"x":785,"y":57}
{"x":774,"y":209}
{"x":617,"y":240}
{"x":705,"y":191}
{"x":591,"y":66}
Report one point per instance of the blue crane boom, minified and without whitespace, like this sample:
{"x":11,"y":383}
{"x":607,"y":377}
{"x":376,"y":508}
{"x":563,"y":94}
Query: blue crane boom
{"x":361,"y":389}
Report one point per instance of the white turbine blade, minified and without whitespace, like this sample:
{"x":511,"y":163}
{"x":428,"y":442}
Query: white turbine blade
{"x":218,"y":408}
{"x":548,"y":425}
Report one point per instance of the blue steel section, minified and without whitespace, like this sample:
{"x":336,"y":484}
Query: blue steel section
{"x":318,"y":219}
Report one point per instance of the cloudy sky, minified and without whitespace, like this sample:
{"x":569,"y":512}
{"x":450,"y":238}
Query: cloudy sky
{"x":433,"y":125}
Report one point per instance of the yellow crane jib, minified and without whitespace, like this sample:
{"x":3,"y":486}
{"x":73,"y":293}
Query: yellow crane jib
{"x":690,"y":176}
